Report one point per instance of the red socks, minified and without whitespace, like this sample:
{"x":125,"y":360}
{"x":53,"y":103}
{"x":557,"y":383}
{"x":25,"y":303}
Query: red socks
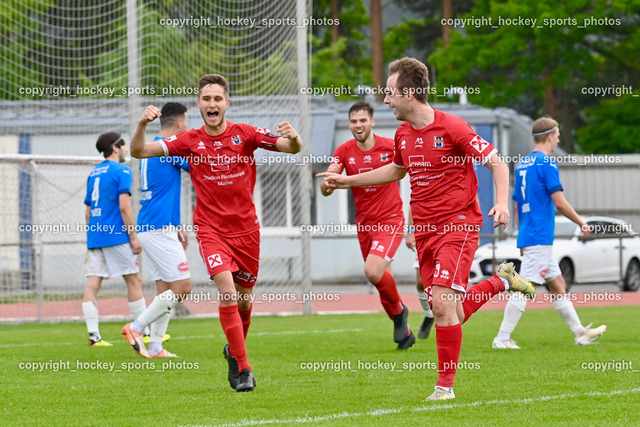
{"x":449,"y":338}
{"x":233,"y":330}
{"x":389,"y":296}
{"x":245,"y":316}
{"x":479,"y":294}
{"x":449,"y":342}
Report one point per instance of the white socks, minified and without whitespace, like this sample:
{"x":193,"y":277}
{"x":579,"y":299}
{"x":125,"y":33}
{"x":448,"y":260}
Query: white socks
{"x":90,"y":312}
{"x":512,"y":314}
{"x":159,"y":327}
{"x":160,"y":306}
{"x":425,"y":304}
{"x":137,"y":307}
{"x":567,"y":311}
{"x":155,"y":348}
{"x":516,"y":306}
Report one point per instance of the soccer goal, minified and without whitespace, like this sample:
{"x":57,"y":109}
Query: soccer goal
{"x":73,"y":72}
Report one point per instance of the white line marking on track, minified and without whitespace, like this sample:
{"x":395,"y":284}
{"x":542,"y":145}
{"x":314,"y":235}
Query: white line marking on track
{"x":430,"y":408}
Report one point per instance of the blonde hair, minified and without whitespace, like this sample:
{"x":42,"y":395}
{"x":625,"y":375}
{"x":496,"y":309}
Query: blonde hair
{"x":542,"y":128}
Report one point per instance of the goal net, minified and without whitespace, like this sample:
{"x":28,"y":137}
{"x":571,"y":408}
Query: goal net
{"x":74,"y":71}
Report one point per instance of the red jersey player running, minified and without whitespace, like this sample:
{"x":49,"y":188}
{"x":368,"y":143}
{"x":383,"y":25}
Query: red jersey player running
{"x":437,"y":150}
{"x":379,"y":216}
{"x":223,"y":171}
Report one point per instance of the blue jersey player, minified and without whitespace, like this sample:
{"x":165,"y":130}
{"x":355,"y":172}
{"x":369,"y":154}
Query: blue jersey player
{"x":161,"y":237}
{"x":111,"y":237}
{"x":537,"y":194}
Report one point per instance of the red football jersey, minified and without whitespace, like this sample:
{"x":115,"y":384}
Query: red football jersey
{"x":439,"y":160}
{"x":223,"y":172}
{"x":374,"y":204}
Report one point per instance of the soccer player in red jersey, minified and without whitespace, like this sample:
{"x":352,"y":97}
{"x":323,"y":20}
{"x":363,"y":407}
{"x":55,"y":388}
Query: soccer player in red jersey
{"x":379,"y":216}
{"x":223,"y":171}
{"x":437,"y":150}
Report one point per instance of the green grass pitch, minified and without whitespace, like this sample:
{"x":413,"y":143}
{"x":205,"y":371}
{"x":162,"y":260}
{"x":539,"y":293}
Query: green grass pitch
{"x":365,"y":381}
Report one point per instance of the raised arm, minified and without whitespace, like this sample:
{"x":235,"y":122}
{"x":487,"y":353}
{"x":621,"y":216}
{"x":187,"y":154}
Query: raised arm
{"x":290,"y":141}
{"x":139,"y":148}
{"x":382,"y":175}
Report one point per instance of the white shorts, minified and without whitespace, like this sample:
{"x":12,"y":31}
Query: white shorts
{"x":416,"y":262}
{"x":538,"y":264}
{"x":168,"y":259}
{"x":111,"y":261}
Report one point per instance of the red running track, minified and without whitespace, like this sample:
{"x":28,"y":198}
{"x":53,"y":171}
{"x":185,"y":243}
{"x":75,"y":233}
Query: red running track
{"x":204,"y":304}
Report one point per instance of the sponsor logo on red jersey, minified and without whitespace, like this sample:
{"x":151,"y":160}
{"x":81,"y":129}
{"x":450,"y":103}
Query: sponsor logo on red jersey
{"x":245,"y":276}
{"x":479,"y":143}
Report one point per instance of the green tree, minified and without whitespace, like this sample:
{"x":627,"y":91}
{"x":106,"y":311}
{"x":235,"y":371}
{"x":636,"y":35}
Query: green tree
{"x":542,"y":67}
{"x":612,"y":127}
{"x":340,"y":61}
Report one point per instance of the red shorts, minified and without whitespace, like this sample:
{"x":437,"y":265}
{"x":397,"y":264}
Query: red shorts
{"x":240,"y":255}
{"x":445,"y":259}
{"x":381,"y":239}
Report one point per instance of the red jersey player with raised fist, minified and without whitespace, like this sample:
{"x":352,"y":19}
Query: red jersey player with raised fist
{"x":438,"y":151}
{"x":379,"y":216}
{"x":223,"y":171}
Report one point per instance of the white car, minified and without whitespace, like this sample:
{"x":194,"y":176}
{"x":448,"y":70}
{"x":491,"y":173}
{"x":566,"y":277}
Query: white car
{"x":595,"y":259}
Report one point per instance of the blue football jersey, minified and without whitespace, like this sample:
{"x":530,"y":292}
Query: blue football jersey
{"x":106,"y":182}
{"x":160,"y":185}
{"x":537,"y":178}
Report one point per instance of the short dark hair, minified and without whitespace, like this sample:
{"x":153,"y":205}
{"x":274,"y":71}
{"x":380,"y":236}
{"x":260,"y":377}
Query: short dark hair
{"x":106,"y":141}
{"x":413,"y":76}
{"x":171,"y":112}
{"x":361,"y":106}
{"x":214,"y":79}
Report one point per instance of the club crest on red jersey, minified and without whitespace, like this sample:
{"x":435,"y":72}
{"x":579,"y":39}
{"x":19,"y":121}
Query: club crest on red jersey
{"x":438,"y":142}
{"x":236,"y":140}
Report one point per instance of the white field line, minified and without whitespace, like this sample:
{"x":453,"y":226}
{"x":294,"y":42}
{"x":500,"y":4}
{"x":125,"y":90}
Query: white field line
{"x":429,"y":408}
{"x":189,"y":337}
